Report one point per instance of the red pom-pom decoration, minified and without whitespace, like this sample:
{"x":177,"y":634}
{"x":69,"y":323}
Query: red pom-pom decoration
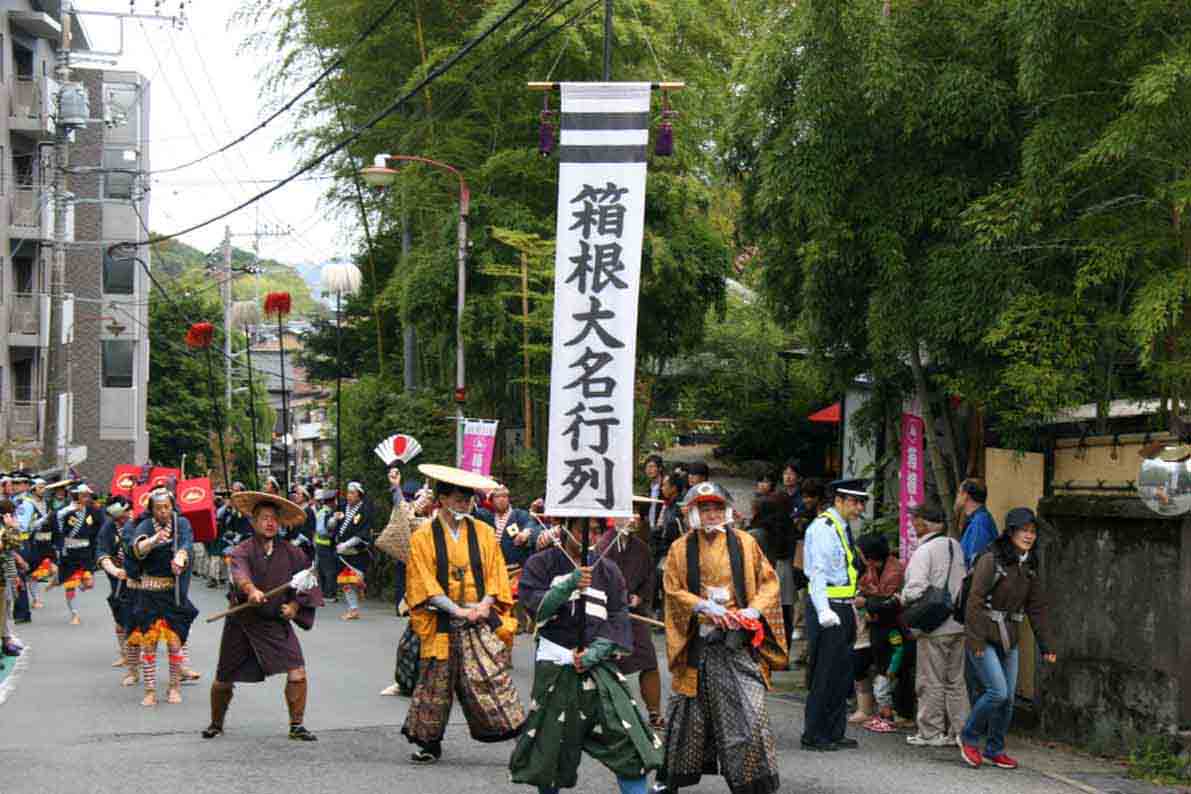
{"x":200,"y":335}
{"x":277,"y":303}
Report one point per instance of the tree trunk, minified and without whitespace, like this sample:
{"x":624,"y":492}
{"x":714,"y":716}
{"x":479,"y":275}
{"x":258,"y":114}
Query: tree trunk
{"x":937,"y":466}
{"x":952,"y":450}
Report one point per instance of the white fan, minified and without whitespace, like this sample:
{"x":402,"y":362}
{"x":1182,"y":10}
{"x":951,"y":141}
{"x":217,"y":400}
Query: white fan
{"x":398,"y":447}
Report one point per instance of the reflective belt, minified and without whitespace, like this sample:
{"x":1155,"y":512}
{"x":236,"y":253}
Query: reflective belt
{"x":322,"y":541}
{"x":842,"y":590}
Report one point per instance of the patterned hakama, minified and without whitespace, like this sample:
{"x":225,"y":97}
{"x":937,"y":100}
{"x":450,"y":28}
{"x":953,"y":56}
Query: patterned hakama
{"x":478,"y":671}
{"x":724,"y":729}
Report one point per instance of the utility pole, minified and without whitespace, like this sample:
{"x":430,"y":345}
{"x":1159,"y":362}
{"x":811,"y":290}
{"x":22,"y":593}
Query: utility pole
{"x":409,"y":350}
{"x":52,"y":453}
{"x":226,"y":290}
{"x":527,"y":401}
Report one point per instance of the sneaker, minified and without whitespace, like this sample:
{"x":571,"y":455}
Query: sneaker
{"x":934,"y":741}
{"x":846,"y":743}
{"x":971,"y":755}
{"x":1002,"y":761}
{"x":11,"y":649}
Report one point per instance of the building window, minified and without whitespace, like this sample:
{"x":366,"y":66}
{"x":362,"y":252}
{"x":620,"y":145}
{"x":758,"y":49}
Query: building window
{"x":120,"y":167}
{"x":118,"y":363}
{"x":122,"y":104}
{"x":119,"y":275}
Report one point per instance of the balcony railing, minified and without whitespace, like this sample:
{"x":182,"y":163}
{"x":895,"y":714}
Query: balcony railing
{"x":24,"y":100}
{"x":30,"y":104}
{"x":27,"y":208}
{"x":25,"y":313}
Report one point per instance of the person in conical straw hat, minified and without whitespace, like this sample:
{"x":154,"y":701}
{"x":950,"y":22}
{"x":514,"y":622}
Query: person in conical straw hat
{"x":260,"y":641}
{"x":461,"y":606}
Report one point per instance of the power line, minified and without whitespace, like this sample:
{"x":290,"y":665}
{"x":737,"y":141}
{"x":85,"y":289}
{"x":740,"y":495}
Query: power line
{"x":364,"y":34}
{"x":437,"y":72}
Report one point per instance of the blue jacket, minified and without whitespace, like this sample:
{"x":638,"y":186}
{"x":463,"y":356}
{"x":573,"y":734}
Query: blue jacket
{"x":979,"y":531}
{"x":514,"y":554}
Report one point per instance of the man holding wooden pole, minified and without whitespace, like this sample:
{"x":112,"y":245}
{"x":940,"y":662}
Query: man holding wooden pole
{"x":271,"y":587}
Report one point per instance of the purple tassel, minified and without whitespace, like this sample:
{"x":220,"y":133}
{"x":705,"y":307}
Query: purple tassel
{"x":545,"y":135}
{"x":664,"y":146}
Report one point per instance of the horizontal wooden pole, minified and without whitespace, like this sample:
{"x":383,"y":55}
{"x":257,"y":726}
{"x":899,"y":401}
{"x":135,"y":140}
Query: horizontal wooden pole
{"x":537,"y":86}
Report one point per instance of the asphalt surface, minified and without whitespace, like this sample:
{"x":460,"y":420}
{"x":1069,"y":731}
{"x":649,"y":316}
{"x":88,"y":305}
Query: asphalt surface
{"x":69,"y":727}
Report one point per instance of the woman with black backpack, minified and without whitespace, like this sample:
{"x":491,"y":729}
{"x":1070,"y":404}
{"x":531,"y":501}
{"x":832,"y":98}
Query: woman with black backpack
{"x":1006,"y":586}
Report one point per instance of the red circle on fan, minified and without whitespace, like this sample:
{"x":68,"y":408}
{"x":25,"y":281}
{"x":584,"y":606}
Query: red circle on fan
{"x":399,"y":444}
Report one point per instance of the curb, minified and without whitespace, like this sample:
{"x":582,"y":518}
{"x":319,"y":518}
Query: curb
{"x":1068,"y":781}
{"x":9,"y":684}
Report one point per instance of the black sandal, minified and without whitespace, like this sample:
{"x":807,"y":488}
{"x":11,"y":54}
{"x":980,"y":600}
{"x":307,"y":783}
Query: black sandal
{"x":212,"y":731}
{"x":299,"y":734}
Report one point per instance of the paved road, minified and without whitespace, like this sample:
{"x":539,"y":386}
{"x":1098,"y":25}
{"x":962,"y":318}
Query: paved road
{"x":69,"y":727}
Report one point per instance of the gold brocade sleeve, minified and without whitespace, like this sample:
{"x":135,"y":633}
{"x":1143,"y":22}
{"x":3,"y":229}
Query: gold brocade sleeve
{"x":680,"y":606}
{"x":496,"y":583}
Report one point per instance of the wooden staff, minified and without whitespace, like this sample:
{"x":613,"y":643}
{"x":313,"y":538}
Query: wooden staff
{"x":241,"y":607}
{"x":647,"y":621}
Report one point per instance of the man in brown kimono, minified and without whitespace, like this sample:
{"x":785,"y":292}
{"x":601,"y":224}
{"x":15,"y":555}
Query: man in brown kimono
{"x":259,"y":641}
{"x":635,"y":561}
{"x":724,"y":634}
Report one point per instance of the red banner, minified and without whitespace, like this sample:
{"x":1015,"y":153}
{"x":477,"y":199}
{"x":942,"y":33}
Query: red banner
{"x":196,"y":503}
{"x":124,"y":480}
{"x":160,"y":476}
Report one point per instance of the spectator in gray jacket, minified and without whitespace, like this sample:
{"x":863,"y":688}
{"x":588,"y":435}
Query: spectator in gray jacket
{"x":942,"y":693}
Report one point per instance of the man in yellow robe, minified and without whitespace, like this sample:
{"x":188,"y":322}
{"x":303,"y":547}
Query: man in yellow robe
{"x":460,"y":603}
{"x":724,"y":635}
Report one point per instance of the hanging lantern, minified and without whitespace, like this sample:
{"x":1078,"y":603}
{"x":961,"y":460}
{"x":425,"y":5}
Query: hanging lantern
{"x":278,"y":304}
{"x":199,"y":336}
{"x":341,"y":278}
{"x":664,"y":145}
{"x":546,"y":129}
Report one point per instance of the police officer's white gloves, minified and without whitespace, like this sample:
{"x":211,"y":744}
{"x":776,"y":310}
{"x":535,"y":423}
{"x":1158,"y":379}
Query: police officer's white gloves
{"x":828,"y":619}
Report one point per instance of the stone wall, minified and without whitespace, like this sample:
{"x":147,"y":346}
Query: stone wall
{"x":1119,"y":583}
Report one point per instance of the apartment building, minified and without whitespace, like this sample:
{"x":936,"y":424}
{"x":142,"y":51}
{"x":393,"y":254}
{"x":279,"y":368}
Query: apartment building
{"x":105,"y":357}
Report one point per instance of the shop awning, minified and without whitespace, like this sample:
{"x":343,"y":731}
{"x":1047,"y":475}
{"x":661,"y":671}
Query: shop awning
{"x":828,"y":415}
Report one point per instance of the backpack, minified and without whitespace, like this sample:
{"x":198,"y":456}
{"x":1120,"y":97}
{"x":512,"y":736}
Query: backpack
{"x":961,"y":605}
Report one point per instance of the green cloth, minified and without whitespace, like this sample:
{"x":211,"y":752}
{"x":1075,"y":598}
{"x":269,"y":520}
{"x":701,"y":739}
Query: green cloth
{"x":599,"y":650}
{"x":571,"y":714}
{"x":556,"y":596}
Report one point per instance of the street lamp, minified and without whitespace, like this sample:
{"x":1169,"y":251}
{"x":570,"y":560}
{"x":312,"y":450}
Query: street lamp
{"x":340,"y":278}
{"x":379,"y":175}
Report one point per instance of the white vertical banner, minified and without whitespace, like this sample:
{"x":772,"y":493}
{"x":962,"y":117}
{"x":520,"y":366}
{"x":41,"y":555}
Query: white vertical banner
{"x":601,"y":223}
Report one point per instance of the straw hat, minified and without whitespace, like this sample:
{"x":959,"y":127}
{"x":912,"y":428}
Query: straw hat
{"x":454,"y":476}
{"x":289,"y":513}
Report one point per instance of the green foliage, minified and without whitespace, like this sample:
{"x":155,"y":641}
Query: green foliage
{"x":189,"y":269}
{"x":181,"y":384}
{"x":1160,"y":759}
{"x":375,"y":408}
{"x":480,"y":118}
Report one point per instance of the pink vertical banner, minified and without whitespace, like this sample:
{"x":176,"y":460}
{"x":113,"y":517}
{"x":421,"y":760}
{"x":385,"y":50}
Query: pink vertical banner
{"x":479,"y":442}
{"x":913,"y":482}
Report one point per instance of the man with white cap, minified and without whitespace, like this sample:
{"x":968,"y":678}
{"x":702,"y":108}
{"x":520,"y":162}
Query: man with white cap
{"x":21,"y":610}
{"x":78,"y":526}
{"x":162,"y":546}
{"x":41,"y":553}
{"x":832,"y":565}
{"x":112,"y":559}
{"x":353,"y":539}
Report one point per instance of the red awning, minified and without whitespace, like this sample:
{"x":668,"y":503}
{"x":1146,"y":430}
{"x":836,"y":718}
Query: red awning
{"x":828,"y":415}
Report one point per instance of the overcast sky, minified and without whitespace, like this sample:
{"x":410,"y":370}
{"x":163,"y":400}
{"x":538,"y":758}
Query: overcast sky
{"x":204,"y":93}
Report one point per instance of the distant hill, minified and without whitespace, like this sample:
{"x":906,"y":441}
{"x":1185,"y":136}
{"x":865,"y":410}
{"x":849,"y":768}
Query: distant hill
{"x":188,"y":267}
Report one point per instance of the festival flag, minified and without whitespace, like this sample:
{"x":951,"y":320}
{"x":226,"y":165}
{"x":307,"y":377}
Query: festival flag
{"x":600,"y":226}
